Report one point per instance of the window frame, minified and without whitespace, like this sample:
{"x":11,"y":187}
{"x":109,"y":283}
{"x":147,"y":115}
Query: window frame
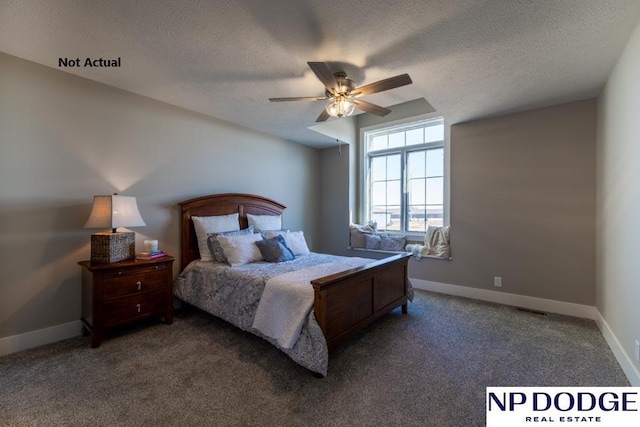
{"x":364,"y":161}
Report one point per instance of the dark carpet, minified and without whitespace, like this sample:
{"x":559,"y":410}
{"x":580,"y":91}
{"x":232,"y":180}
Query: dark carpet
{"x":428,"y":368}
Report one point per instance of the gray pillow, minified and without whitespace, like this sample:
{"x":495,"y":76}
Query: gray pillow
{"x":216,"y":249}
{"x":372,"y":241}
{"x":357,"y":235}
{"x":392,"y":243}
{"x":275,"y":249}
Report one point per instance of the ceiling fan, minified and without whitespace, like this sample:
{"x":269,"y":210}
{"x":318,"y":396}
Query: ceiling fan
{"x":342,"y":93}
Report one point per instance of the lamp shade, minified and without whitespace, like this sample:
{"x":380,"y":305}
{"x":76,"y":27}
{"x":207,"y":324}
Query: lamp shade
{"x":114,"y":211}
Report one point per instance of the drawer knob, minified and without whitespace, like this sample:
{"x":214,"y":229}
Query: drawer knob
{"x":139,"y":284}
{"x":138,"y":307}
{"x":119,"y":273}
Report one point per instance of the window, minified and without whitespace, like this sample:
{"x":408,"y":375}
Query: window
{"x":404,"y":175}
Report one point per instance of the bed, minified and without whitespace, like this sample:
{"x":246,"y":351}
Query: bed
{"x":343,"y":302}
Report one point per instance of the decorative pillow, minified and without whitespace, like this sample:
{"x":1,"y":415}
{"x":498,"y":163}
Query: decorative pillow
{"x":264,"y":232}
{"x":275,"y":250}
{"x":265,"y":222}
{"x":357,"y":234}
{"x":214,"y":246}
{"x":416,"y":250}
{"x":204,"y":225}
{"x":392,"y":243}
{"x":240,"y":249}
{"x":372,"y":241}
{"x":294,"y":239}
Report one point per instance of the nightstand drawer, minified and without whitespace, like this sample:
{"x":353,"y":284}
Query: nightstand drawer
{"x":126,"y":309}
{"x":133,"y":282}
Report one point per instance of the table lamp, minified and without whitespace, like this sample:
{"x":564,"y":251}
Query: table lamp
{"x":113,"y":211}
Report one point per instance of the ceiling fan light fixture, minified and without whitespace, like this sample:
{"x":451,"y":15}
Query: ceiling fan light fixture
{"x":342,"y":95}
{"x":340,"y":107}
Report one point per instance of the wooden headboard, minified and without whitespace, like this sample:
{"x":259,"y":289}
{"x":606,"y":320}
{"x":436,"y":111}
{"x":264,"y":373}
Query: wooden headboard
{"x":219,"y":204}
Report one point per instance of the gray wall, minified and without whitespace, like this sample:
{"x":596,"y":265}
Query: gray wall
{"x":618,"y":207}
{"x":334,"y":194}
{"x":523,"y":205}
{"x":64,"y":139}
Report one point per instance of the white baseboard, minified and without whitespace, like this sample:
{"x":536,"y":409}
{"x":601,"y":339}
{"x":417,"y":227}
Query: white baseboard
{"x":541,"y":304}
{"x":622,"y":357}
{"x":16,"y":343}
{"x":532,"y":303}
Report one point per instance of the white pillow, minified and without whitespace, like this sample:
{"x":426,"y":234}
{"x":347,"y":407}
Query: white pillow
{"x":294,"y":239}
{"x":241,"y":249}
{"x":212,"y":224}
{"x":265,"y":222}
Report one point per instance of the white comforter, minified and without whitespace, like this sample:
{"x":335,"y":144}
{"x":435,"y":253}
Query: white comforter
{"x":288,"y":298}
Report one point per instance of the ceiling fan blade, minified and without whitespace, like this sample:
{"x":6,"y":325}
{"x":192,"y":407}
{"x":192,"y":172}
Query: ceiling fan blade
{"x":325,"y":75}
{"x":299,"y":98}
{"x":382,"y":85}
{"x":323,"y":116}
{"x":370,"y":108}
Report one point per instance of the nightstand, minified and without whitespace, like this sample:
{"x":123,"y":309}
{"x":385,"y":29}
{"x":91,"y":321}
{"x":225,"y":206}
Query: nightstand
{"x":125,"y":292}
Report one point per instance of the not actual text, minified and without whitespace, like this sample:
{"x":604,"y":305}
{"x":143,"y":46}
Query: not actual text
{"x":89,"y":62}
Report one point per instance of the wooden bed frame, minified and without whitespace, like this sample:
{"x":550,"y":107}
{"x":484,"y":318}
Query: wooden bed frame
{"x":345,"y":302}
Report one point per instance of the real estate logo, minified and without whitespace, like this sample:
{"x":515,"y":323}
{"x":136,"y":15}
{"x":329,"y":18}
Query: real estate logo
{"x":560,"y":406}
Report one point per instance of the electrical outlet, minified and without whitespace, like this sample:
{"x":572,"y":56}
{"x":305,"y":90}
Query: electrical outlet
{"x":637,"y":351}
{"x":497,"y":282}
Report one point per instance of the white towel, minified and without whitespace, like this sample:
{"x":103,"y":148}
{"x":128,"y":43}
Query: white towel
{"x":288,"y":298}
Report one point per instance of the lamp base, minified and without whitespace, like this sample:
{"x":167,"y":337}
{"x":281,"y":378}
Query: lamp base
{"x":113,"y":247}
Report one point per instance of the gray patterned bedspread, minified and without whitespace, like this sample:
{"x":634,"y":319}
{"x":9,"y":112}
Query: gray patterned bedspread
{"x":233,"y":294}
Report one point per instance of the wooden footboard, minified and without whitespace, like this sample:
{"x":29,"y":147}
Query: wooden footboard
{"x":347,"y":302}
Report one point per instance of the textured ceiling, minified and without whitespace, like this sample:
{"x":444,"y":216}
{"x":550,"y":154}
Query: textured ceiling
{"x":468,"y":58}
